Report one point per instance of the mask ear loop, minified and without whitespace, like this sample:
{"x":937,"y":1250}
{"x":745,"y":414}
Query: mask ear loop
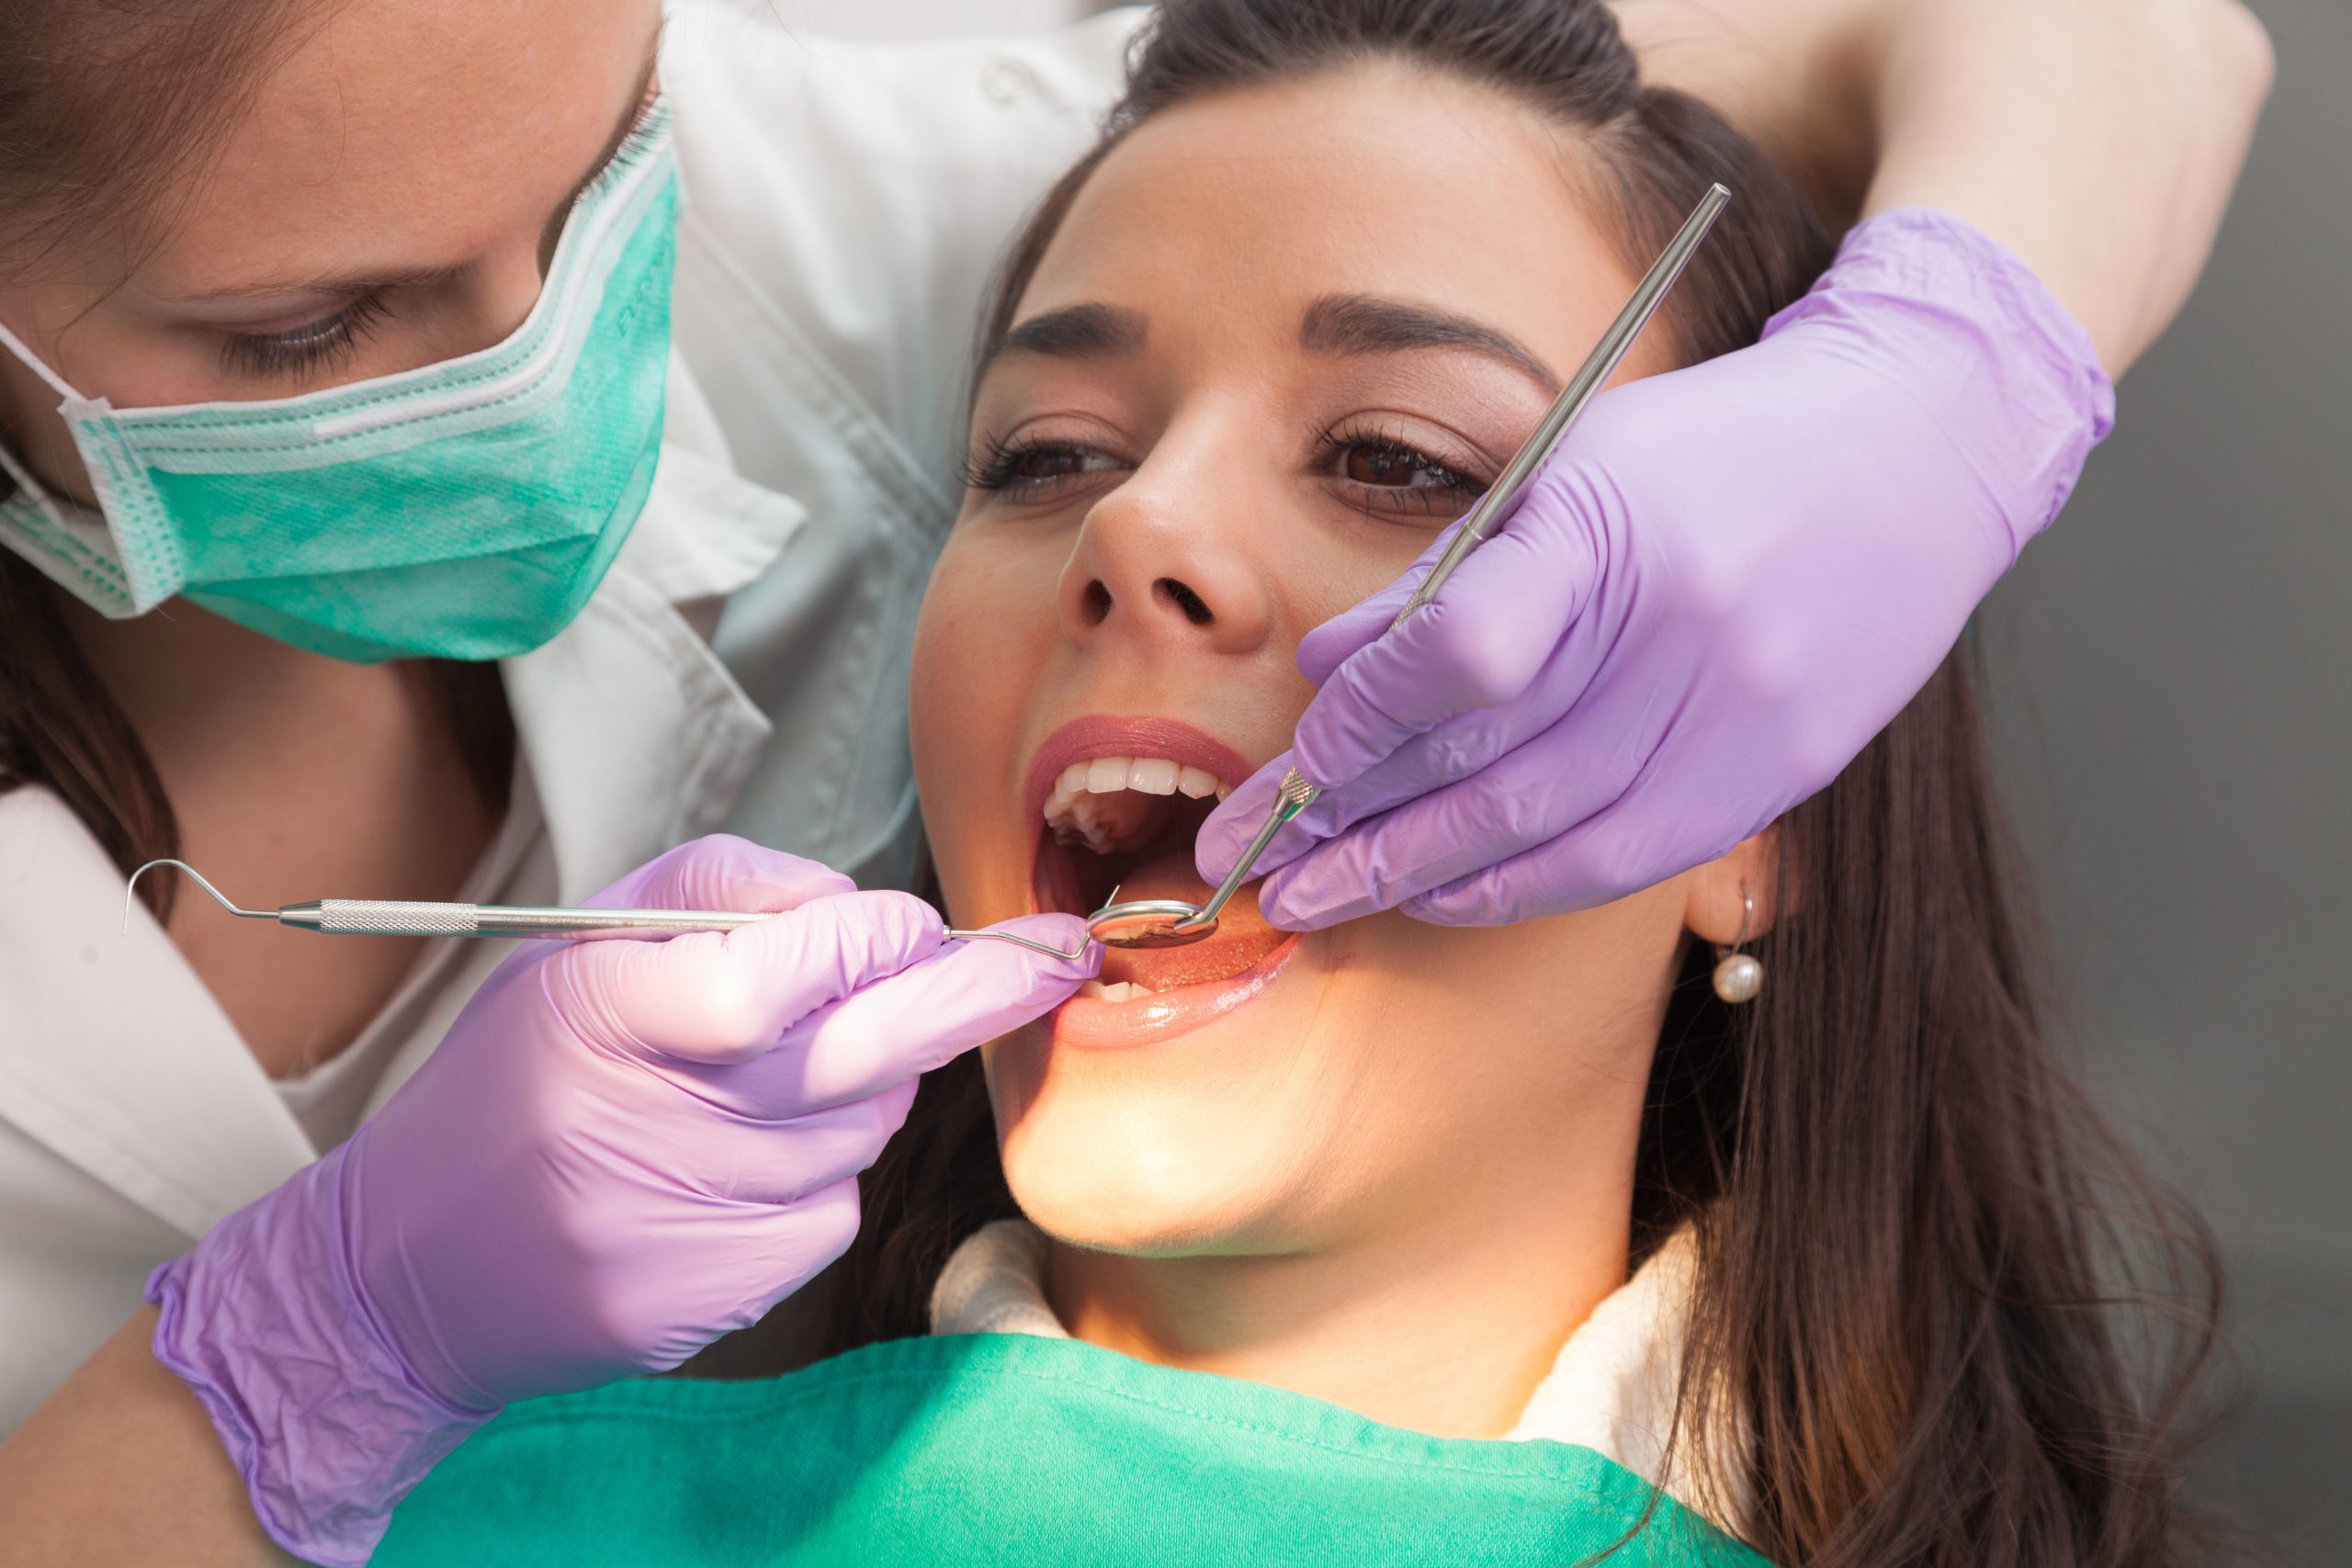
{"x":66,"y":396}
{"x":34,"y":490}
{"x":67,"y":399}
{"x":118,"y":575}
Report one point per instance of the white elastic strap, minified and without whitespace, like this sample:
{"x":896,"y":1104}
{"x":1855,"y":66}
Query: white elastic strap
{"x":15,"y":345}
{"x":31,"y":488}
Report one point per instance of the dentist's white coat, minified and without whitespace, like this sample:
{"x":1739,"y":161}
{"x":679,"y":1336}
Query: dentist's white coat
{"x":846,"y":206}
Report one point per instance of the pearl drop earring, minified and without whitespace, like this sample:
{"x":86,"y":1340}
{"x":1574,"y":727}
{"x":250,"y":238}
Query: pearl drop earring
{"x":1738,"y":977}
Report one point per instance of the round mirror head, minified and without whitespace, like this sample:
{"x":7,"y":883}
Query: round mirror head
{"x":1148,"y":922}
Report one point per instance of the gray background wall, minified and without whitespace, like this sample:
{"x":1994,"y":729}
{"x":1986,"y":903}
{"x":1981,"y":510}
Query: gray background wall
{"x":2174,"y":668}
{"x":2176,"y":661}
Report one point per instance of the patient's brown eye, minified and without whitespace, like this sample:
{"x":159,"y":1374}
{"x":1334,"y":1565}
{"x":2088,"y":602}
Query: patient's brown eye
{"x":1033,"y":469}
{"x":1384,"y":465}
{"x":1379,"y":473}
{"x":1048,"y":463}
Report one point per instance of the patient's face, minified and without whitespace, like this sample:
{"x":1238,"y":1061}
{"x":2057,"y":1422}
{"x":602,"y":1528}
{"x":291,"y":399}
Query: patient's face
{"x":1283,"y":338}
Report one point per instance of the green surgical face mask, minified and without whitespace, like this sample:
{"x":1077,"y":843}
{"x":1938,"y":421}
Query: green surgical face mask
{"x":466,"y":510}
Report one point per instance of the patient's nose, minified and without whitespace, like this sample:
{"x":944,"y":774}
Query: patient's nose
{"x":1150,"y":566}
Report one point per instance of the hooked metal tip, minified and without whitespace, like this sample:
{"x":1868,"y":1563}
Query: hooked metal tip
{"x":1050,"y":950}
{"x":130,"y":891}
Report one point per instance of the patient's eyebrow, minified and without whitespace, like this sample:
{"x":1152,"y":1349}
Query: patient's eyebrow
{"x":1363,"y":323}
{"x":1075,"y":331}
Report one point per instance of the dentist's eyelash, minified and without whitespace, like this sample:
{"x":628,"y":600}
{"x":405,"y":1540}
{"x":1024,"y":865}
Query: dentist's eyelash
{"x":635,"y":145}
{"x":308,"y":349}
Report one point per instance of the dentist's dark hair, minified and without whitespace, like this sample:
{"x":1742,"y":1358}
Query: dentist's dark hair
{"x":106,"y":108}
{"x":108,"y":112}
{"x":1942,"y":1318}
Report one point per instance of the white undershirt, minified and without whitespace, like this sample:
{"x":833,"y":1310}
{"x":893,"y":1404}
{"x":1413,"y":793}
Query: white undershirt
{"x":329,"y":1099}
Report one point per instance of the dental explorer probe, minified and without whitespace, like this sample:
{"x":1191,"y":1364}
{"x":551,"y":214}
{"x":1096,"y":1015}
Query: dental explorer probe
{"x":1173,"y":922}
{"x":387,"y":917}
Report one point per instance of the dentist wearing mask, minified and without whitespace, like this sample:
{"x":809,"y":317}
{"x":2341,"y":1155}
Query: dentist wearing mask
{"x":467,"y":448}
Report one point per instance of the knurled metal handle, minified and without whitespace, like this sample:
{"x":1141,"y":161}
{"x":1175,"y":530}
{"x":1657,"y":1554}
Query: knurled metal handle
{"x":378,"y":917}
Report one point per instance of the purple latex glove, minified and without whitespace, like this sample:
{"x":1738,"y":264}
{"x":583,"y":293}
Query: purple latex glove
{"x":1726,"y":582}
{"x":622,"y":1150}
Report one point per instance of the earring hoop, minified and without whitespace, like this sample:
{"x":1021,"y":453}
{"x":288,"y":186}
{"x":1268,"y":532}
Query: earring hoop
{"x":1738,"y":977}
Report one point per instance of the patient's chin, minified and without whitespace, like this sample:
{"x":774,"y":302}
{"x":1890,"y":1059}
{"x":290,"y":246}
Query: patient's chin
{"x":1089,"y":1187}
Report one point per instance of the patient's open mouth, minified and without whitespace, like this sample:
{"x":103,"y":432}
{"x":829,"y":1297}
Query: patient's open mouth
{"x":1118,"y":804}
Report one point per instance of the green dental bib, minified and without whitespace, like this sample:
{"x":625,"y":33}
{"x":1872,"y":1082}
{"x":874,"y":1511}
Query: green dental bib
{"x":1013,"y":1450}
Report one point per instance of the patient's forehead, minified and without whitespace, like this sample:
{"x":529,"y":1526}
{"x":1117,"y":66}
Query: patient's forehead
{"x":1239,"y":209}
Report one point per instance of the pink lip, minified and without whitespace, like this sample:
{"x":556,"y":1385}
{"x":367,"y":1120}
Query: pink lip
{"x":1099,"y":735}
{"x":1090,"y":1024}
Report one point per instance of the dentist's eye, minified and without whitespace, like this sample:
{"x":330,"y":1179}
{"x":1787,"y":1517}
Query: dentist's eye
{"x":1030,"y":470}
{"x":310,"y":348}
{"x":1377,"y":471}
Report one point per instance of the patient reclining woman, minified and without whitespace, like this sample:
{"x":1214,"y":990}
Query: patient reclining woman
{"x":1393,"y":1241}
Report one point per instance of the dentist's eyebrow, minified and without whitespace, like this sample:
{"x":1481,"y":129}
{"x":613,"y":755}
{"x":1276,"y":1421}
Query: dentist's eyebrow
{"x":1363,"y":323}
{"x":376,"y":280}
{"x":1075,"y":331}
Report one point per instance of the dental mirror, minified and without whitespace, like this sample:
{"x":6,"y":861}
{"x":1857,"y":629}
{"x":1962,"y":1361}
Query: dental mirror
{"x":1146,"y":922}
{"x":1172,"y":922}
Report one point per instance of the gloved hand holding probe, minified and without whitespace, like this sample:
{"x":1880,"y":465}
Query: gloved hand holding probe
{"x":1723,"y":584}
{"x":623,"y":1150}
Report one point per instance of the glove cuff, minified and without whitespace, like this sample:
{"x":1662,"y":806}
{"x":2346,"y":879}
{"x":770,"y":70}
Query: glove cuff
{"x":319,"y":1413}
{"x":1964,"y":312}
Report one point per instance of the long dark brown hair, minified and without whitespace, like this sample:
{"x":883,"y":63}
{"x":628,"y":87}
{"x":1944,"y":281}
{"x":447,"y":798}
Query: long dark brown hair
{"x":1957,"y":1324}
{"x":107,"y":110}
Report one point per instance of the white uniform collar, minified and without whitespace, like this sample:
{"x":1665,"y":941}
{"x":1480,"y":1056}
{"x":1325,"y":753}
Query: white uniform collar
{"x":1612,"y":1389}
{"x":113,"y":1052}
{"x":636,"y":736}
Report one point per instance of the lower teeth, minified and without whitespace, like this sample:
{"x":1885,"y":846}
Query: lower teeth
{"x":1116,"y":991}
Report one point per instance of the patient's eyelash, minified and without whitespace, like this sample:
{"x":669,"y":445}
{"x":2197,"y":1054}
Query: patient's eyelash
{"x":316,"y":346}
{"x":1013,"y":467}
{"x":1451,"y":488}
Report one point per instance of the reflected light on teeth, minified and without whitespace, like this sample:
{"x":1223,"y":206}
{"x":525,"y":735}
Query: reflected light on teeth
{"x":1095,"y":802}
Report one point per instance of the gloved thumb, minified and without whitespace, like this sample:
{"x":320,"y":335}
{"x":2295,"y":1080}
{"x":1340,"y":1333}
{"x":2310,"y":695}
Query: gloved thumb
{"x":1332,"y":644}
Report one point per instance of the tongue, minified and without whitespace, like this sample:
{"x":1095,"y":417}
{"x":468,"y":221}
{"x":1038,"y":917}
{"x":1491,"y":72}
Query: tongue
{"x":1242,"y":936}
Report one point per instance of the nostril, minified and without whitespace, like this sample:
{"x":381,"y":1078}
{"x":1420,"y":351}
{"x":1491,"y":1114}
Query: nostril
{"x":1098,"y":602}
{"x":1196,"y":608}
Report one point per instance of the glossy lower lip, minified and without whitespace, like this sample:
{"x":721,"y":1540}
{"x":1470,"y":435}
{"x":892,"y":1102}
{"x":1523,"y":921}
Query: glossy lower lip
{"x":1089,"y":1024}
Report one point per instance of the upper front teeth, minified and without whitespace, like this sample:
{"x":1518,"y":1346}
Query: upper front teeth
{"x":1094,"y":800}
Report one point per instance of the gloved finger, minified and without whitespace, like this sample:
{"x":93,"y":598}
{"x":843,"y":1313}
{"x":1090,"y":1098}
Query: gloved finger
{"x":804,"y":1238}
{"x":767,"y":1254}
{"x":1457,"y":749}
{"x":1325,"y":648}
{"x":747,"y":1154}
{"x":1477,"y":646}
{"x":729,"y":995}
{"x":723,"y":871}
{"x":1229,"y":829}
{"x":1619,"y":849}
{"x":899,"y":1028}
{"x":1524,"y":799}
